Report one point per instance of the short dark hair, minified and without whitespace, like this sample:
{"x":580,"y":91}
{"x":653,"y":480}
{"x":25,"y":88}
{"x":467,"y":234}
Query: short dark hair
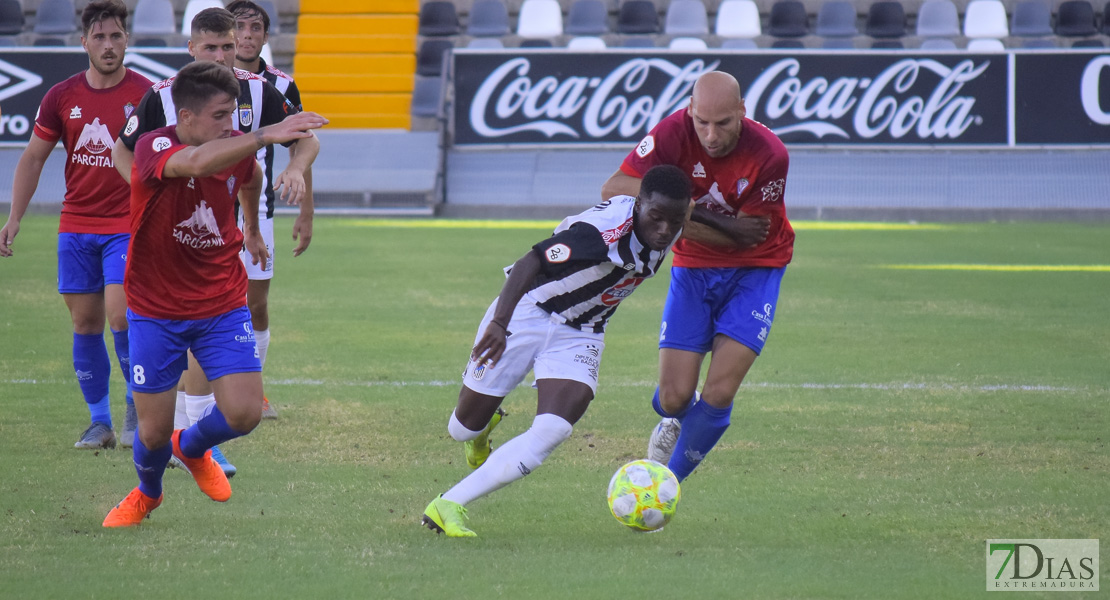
{"x":248,"y":9}
{"x":215,"y":20}
{"x":103,"y":10}
{"x":667,"y":180}
{"x":200,"y":81}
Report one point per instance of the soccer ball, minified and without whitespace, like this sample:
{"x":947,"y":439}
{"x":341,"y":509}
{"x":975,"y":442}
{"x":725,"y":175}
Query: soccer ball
{"x":643,"y":495}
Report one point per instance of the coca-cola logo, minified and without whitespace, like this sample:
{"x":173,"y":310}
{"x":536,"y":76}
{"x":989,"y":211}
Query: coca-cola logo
{"x":885,"y":103}
{"x":1088,"y":90}
{"x":620,"y":102}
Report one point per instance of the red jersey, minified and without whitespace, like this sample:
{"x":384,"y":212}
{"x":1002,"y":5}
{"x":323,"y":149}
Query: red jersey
{"x":86,"y":119}
{"x":750,"y":179}
{"x":183,"y":261}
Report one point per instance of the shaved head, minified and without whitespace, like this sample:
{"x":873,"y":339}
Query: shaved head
{"x":717,"y":110}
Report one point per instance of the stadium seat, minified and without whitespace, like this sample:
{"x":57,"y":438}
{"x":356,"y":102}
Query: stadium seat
{"x":153,"y":17}
{"x":985,"y":45}
{"x":638,"y":42}
{"x":687,"y":44}
{"x":1075,"y":18}
{"x":838,"y":43}
{"x":638,"y":16}
{"x":56,"y":16}
{"x":1031,"y":18}
{"x":485,"y":44}
{"x":427,"y":97}
{"x":1106,"y":20}
{"x":938,"y":44}
{"x":686,"y":17}
{"x":48,"y":42}
{"x":191,"y":10}
{"x":11,"y":17}
{"x":272,"y":12}
{"x":150,"y":42}
{"x":1092,"y":43}
{"x":586,"y":43}
{"x":488,"y":18}
{"x":886,"y":19}
{"x":537,"y":43}
{"x":587,"y":17}
{"x":837,"y":18}
{"x":788,"y":19}
{"x":432,"y":56}
{"x":738,"y":19}
{"x":986,"y":19}
{"x":739,"y":44}
{"x":8,"y":41}
{"x":540,"y":19}
{"x":438,"y":18}
{"x":938,"y":18}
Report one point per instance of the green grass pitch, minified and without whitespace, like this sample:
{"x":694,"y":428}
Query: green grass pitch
{"x":899,"y":417}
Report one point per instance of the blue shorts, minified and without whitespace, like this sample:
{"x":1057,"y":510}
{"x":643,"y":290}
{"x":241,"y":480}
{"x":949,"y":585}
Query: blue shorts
{"x":89,"y":261}
{"x":737,"y":302}
{"x":223,"y":345}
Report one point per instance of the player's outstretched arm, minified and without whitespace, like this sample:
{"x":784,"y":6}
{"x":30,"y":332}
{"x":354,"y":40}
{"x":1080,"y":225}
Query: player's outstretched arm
{"x":301,"y":156}
{"x":741,"y":231}
{"x":24,"y":184}
{"x":123,"y":157}
{"x":249,"y":194}
{"x":214,"y":156}
{"x":492,"y":344}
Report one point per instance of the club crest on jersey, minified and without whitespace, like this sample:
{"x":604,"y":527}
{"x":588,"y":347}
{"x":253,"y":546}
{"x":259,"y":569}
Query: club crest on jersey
{"x":128,"y":109}
{"x":741,"y":185}
{"x":559,"y":253}
{"x":246,"y":115}
{"x":231,"y":186}
{"x":699,"y":171}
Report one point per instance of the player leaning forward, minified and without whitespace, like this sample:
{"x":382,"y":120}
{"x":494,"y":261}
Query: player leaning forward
{"x":185,"y":284}
{"x":550,"y":317}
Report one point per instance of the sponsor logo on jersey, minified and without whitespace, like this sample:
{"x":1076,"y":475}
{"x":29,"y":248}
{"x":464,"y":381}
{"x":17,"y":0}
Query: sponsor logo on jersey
{"x":132,"y":125}
{"x":75,"y":112}
{"x":161,"y":143}
{"x":558,"y":253}
{"x":246,"y":115}
{"x":699,"y":171}
{"x":200,"y":230}
{"x":772,"y":192}
{"x":646,"y":146}
{"x":95,"y":139}
{"x":765,"y":316}
{"x":624,"y":289}
{"x":715,"y":201}
{"x":611,"y":235}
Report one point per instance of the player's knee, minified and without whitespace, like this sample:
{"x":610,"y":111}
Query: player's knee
{"x":118,"y":322}
{"x":675,"y":397}
{"x":154,"y":438}
{"x":244,"y":419}
{"x":718,"y":396}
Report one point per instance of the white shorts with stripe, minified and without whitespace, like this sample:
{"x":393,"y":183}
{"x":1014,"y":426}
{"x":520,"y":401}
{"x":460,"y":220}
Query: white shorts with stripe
{"x":537,"y":342}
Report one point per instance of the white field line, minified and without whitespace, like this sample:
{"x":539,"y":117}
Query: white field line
{"x":894,"y":386}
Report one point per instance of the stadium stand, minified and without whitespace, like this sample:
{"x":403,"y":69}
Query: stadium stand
{"x":488,"y":18}
{"x":788,"y":19}
{"x":272,"y":12}
{"x":191,"y":10}
{"x":1105,"y":29}
{"x":837,"y":19}
{"x":11,"y":17}
{"x":56,"y":17}
{"x":1031,"y":18}
{"x":638,"y":16}
{"x":886,"y":19}
{"x":586,"y":43}
{"x":540,"y":19}
{"x":485,"y":43}
{"x":939,"y":44}
{"x":687,"y":44}
{"x":1075,"y":18}
{"x":986,"y":19}
{"x":587,"y":17}
{"x":686,"y":18}
{"x":938,"y":18}
{"x":985,"y":45}
{"x":439,"y":18}
{"x":738,"y":19}
{"x":433,"y":54}
{"x":153,"y":17}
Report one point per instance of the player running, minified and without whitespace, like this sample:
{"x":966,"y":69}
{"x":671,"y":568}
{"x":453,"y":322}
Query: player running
{"x":83,"y":112}
{"x":726,"y":271}
{"x":550,"y":317}
{"x":186,"y":286}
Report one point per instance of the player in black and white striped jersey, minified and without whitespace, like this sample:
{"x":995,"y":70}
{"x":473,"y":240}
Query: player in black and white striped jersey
{"x":550,"y":318}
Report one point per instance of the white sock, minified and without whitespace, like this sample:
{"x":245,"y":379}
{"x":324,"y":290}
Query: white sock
{"x":262,"y":343}
{"x":459,"y":431}
{"x":514,"y":459}
{"x":197,"y":406}
{"x":180,"y":417}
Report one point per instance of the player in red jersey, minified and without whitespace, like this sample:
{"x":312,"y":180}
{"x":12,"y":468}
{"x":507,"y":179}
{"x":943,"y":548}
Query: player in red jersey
{"x":727,"y":269}
{"x":186,"y":285}
{"x":84,"y":112}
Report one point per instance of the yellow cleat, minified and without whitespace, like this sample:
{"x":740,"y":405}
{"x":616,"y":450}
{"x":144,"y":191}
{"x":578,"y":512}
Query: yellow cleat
{"x":444,"y":516}
{"x":478,"y":449}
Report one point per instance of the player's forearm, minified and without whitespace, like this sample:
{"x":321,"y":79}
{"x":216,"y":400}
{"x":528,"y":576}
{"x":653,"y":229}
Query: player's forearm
{"x":303,"y":154}
{"x":741,"y":231}
{"x":123,"y":158}
{"x":249,"y":200}
{"x":212,"y":157}
{"x":704,"y":234}
{"x":24,"y":184}
{"x":522,"y":274}
{"x":620,"y":184}
{"x":307,"y":206}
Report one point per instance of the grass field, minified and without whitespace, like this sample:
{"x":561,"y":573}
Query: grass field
{"x":898,"y":418}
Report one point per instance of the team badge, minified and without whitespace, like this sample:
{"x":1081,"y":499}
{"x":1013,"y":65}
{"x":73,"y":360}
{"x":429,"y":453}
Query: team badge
{"x":231,"y":186}
{"x":741,"y":185}
{"x":246,"y":115}
{"x":128,"y":109}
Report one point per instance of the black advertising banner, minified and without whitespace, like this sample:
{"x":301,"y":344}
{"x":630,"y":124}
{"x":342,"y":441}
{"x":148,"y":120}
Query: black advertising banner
{"x":873,"y":98}
{"x":1062,"y":98}
{"x":26,"y":75}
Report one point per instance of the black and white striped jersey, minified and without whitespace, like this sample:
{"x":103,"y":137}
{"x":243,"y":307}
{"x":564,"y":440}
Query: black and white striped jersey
{"x":592,"y":262}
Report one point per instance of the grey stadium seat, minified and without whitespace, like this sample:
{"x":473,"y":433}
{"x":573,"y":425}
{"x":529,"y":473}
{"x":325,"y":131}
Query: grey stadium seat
{"x":938,"y":18}
{"x":427,"y":96}
{"x":1075,"y":18}
{"x":11,"y":17}
{"x":837,"y":18}
{"x":439,"y":18}
{"x":56,"y":16}
{"x":153,"y":17}
{"x":488,"y":18}
{"x":788,"y":19}
{"x":886,"y":19}
{"x":686,"y":17}
{"x":638,"y":16}
{"x":587,"y":17}
{"x":432,"y":56}
{"x":1031,"y":18}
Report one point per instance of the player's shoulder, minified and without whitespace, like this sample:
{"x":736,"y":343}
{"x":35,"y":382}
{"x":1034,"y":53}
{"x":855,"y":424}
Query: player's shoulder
{"x":161,"y":85}
{"x":242,"y":75}
{"x":158,"y":140}
{"x":136,"y":79}
{"x":612,"y":218}
{"x":278,"y":73}
{"x":69,"y":84}
{"x":763,"y":140}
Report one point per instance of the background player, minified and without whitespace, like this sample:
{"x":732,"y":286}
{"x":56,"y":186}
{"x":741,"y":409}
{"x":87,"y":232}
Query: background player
{"x":252,"y":31}
{"x":726,"y":273}
{"x":550,"y":317}
{"x":186,"y":286}
{"x":259,"y":104}
{"x":84,"y":111}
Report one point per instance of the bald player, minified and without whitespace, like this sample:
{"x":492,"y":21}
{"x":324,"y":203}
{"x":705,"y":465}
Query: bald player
{"x":727,"y":266}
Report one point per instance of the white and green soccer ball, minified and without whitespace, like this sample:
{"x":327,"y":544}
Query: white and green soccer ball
{"x":643,"y":495}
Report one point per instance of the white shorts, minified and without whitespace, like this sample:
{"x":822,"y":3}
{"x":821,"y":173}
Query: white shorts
{"x":539,"y":342}
{"x":263,"y":270}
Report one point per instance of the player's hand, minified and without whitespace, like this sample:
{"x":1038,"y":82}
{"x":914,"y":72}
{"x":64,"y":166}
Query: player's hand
{"x":7,"y":236}
{"x":256,"y":247}
{"x":751,"y":230}
{"x":302,"y":229}
{"x":293,"y":128}
{"x":294,"y":186}
{"x":491,"y":345}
